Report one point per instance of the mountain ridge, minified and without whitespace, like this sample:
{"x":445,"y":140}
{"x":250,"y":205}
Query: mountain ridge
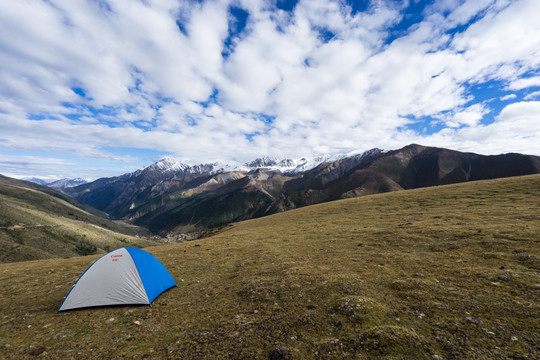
{"x":59,"y":183}
{"x":181,"y":197}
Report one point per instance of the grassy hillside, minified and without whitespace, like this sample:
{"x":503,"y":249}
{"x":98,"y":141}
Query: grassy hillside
{"x":37,"y":225}
{"x":446,"y":272}
{"x":4,"y":180}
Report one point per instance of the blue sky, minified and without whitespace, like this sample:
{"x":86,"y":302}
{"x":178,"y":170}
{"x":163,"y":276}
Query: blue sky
{"x":99,"y":88}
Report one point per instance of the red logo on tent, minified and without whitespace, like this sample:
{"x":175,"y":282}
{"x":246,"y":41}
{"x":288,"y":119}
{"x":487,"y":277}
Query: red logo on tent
{"x":115,"y":257}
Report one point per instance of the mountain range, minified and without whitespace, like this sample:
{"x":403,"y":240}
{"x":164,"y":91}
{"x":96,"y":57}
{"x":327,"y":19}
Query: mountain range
{"x":172,"y":197}
{"x":61,"y":183}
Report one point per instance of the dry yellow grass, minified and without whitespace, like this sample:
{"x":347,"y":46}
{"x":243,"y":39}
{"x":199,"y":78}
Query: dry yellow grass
{"x":449,"y":271}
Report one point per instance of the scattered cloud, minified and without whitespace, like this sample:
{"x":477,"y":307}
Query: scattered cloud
{"x":523,"y":83}
{"x":508,"y":97}
{"x":532,"y":96}
{"x":118,"y":84}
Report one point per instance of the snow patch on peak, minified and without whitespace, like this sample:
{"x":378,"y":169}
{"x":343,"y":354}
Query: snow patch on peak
{"x":294,"y":166}
{"x":291,"y":166}
{"x":66,"y":183}
{"x":59,"y":182}
{"x":168,"y":163}
{"x":270,"y":163}
{"x":171,"y":166}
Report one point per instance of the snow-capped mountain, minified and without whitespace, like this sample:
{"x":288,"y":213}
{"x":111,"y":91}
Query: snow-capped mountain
{"x":170,"y":195}
{"x":270,"y":163}
{"x":295,"y":166}
{"x":62,"y":183}
{"x":169,"y":164}
{"x":66,"y":183}
{"x":122,"y":195}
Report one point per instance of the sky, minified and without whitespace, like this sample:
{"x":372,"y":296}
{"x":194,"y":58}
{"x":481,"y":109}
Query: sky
{"x":98,"y":88}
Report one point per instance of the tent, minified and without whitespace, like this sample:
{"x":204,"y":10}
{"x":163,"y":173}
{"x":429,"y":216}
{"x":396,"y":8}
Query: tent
{"x":123,"y":276}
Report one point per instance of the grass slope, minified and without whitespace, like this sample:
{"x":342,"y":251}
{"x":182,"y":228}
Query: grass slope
{"x":4,"y":180}
{"x":450,"y":271}
{"x":36,"y":225}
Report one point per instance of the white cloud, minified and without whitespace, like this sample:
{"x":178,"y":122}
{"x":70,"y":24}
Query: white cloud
{"x":483,"y":48}
{"x":150,"y":85}
{"x":460,"y":11}
{"x":524,"y":83}
{"x":469,"y":116}
{"x":532,"y":96}
{"x":516,"y":129}
{"x":508,"y":97}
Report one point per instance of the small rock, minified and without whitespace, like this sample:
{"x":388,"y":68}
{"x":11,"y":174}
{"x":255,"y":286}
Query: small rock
{"x":514,"y":338}
{"x":279,"y":354}
{"x":6,"y":345}
{"x":421,"y":315}
{"x":419,"y":274}
{"x":503,"y":278}
{"x":356,"y":260}
{"x":474,"y":320}
{"x":37,"y":351}
{"x":111,"y":320}
{"x":436,"y":357}
{"x":137,"y":322}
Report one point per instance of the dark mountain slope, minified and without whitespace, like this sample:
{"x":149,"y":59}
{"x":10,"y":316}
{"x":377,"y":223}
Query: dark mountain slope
{"x":356,"y":183}
{"x":237,"y":200}
{"x":411,"y":167}
{"x":117,"y":196}
{"x":417,"y":166}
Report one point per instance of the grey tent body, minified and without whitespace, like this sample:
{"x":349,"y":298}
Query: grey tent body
{"x":123,"y":276}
